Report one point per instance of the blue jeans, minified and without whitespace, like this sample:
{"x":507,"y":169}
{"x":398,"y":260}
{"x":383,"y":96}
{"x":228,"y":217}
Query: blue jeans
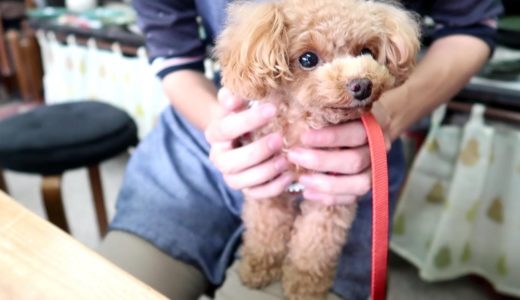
{"x":173,"y":197}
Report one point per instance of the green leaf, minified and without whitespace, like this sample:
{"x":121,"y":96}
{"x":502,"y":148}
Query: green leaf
{"x":443,"y":258}
{"x":502,"y":266}
{"x":433,"y":146}
{"x":399,"y":224}
{"x":436,"y":194}
{"x":472,"y":212}
{"x":466,"y":253}
{"x":496,"y":211}
{"x":471,"y":154}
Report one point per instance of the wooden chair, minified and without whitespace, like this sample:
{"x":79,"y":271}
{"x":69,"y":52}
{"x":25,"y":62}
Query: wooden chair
{"x":3,"y":185}
{"x":20,"y":61}
{"x":5,"y":65}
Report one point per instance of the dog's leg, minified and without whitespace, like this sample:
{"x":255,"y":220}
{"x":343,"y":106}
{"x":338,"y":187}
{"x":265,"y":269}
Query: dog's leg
{"x":268,"y":224}
{"x":318,"y":237}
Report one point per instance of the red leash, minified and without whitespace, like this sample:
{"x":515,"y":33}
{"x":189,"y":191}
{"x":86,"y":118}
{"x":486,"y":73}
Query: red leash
{"x":376,"y":142}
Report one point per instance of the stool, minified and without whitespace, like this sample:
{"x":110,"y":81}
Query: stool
{"x":49,"y":140}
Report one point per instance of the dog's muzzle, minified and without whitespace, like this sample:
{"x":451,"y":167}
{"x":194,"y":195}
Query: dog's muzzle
{"x":360,"y":88}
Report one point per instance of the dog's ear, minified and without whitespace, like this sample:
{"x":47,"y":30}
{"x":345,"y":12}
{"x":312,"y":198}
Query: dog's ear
{"x":252,"y":49}
{"x":402,"y":43}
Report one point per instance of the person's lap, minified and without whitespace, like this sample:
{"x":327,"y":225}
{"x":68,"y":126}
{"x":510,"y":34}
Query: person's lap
{"x":171,"y":277}
{"x":175,"y":199}
{"x":174,"y":278}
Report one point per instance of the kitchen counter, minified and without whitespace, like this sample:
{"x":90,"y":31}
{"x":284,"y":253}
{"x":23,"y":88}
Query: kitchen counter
{"x":492,"y":87}
{"x":111,"y":34}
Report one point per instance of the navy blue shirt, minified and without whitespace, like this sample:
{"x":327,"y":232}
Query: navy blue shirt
{"x":174,"y":42}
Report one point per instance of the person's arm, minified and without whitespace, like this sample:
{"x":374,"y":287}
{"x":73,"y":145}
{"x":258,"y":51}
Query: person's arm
{"x":448,"y":65}
{"x":193,"y":95}
{"x":463,"y":41}
{"x":176,"y":52}
{"x":452,"y":59}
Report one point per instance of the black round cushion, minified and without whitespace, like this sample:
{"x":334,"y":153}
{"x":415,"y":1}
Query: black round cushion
{"x":52,"y":139}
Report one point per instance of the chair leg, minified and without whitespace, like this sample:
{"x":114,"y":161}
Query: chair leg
{"x":99,"y":202}
{"x":3,"y":185}
{"x":13,"y":40}
{"x":51,"y":192}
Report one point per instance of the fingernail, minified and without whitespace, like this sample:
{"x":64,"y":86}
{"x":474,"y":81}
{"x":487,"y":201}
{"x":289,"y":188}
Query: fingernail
{"x":224,"y":95}
{"x":274,"y":142}
{"x":267,"y":110}
{"x":229,"y":102}
{"x":281,"y":164}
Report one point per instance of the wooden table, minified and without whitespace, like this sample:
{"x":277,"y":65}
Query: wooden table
{"x":39,"y":261}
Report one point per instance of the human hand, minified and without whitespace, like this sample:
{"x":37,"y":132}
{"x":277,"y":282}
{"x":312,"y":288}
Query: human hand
{"x":340,"y":157}
{"x":258,"y":169}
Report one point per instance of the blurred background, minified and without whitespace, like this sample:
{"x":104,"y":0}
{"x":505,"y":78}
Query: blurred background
{"x":77,"y":51}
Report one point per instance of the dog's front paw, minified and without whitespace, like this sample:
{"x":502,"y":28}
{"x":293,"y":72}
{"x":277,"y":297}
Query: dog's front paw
{"x":258,"y":272}
{"x":305,"y":284}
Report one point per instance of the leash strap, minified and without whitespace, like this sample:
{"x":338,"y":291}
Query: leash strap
{"x":376,"y":142}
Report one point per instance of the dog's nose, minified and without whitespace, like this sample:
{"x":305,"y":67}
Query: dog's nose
{"x":360,"y":88}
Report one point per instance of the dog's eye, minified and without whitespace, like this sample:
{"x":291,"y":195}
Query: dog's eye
{"x":308,"y":60}
{"x":366,"y":51}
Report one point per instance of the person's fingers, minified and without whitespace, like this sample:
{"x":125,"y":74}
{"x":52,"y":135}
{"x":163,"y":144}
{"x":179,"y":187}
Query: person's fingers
{"x":236,"y":160}
{"x":259,"y":174}
{"x":218,"y":148}
{"x":272,"y":188}
{"x":355,"y":185}
{"x":329,"y":199}
{"x":237,"y":124}
{"x":342,"y":161}
{"x":351,"y":134}
{"x":384,"y":120}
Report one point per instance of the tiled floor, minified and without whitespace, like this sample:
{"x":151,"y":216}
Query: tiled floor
{"x":404,"y":282}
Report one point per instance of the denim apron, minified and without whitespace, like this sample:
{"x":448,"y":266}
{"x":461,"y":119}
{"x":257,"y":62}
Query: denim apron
{"x":173,"y":197}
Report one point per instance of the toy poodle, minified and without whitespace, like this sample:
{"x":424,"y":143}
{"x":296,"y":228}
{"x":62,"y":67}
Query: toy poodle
{"x":323,"y":62}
